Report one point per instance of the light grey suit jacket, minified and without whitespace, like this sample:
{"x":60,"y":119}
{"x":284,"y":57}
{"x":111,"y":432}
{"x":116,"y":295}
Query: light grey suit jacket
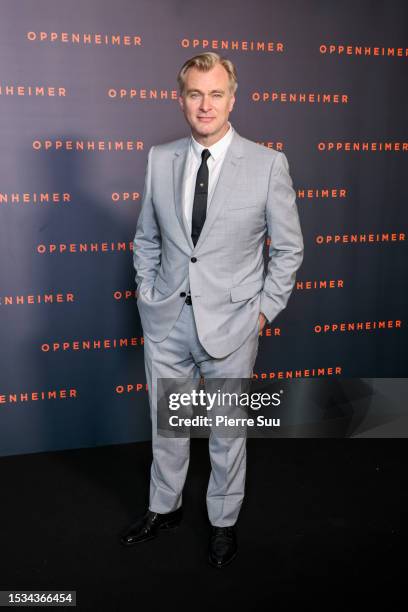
{"x":253,"y":198}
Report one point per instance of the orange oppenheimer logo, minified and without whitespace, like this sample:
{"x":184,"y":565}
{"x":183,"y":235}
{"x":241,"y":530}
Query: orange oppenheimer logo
{"x":142,"y":94}
{"x":322,"y":193}
{"x":363,"y":50}
{"x":84,"y":247}
{"x":88,"y":145}
{"x":40,"y":298}
{"x":34,"y":198}
{"x":303,"y":285}
{"x":35,"y":396}
{"x":96,"y":344}
{"x":38,"y":91}
{"x":301,"y":373}
{"x":299,"y":97}
{"x":226,"y":44}
{"x":364,"y":146}
{"x":357,"y":326}
{"x":384,"y":237}
{"x":77,"y":38}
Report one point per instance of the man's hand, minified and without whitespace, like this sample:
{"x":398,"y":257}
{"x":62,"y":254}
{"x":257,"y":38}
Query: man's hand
{"x":262,"y":320}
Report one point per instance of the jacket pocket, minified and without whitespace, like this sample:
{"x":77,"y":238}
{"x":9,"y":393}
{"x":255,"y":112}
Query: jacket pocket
{"x":245,"y":292}
{"x":161,"y":286}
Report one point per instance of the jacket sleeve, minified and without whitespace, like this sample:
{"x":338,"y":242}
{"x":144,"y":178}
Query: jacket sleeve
{"x":147,"y":240}
{"x":286,"y":241}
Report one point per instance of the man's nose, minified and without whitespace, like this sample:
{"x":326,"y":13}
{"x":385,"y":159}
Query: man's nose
{"x":205,"y":103}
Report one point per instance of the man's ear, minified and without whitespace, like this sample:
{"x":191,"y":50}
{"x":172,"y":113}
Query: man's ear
{"x":232,"y":102}
{"x":181,"y":102}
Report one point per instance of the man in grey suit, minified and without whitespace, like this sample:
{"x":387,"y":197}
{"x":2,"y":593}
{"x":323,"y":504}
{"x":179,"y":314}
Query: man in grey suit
{"x":204,"y":295}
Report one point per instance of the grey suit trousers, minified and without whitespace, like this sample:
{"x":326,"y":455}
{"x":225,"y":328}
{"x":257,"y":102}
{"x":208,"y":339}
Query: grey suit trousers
{"x":181,"y":355}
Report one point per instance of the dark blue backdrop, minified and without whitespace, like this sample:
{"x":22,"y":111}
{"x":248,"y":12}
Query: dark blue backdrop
{"x":86,"y":58}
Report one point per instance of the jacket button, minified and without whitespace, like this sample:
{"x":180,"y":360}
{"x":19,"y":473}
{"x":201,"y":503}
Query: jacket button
{"x":183,"y":294}
{"x":194,"y":259}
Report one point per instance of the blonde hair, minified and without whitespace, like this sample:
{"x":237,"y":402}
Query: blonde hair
{"x":204,"y":62}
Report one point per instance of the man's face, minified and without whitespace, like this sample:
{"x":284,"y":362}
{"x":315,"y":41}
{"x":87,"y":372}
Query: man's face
{"x":207,"y":103}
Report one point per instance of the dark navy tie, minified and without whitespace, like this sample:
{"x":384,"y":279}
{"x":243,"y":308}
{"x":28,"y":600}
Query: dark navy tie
{"x":200,"y":198}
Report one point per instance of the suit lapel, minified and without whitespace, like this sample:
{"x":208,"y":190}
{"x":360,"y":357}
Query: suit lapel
{"x":179,"y":168}
{"x":226,"y":181}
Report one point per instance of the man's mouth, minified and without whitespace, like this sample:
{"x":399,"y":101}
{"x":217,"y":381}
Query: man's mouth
{"x":206,"y":119}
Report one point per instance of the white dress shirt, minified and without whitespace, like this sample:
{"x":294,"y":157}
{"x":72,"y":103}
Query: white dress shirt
{"x":214,"y":163}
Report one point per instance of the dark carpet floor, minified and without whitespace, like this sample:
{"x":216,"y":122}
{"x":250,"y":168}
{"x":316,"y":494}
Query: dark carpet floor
{"x":322,"y":527}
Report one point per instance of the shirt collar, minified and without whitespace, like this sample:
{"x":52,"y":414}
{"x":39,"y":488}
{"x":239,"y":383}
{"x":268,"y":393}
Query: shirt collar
{"x":217,"y":148}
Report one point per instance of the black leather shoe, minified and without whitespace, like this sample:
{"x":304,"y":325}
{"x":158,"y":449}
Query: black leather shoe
{"x":223,"y":546}
{"x":147,"y":527}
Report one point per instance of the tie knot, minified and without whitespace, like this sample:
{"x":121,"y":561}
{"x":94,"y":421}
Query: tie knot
{"x":205,"y":154}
